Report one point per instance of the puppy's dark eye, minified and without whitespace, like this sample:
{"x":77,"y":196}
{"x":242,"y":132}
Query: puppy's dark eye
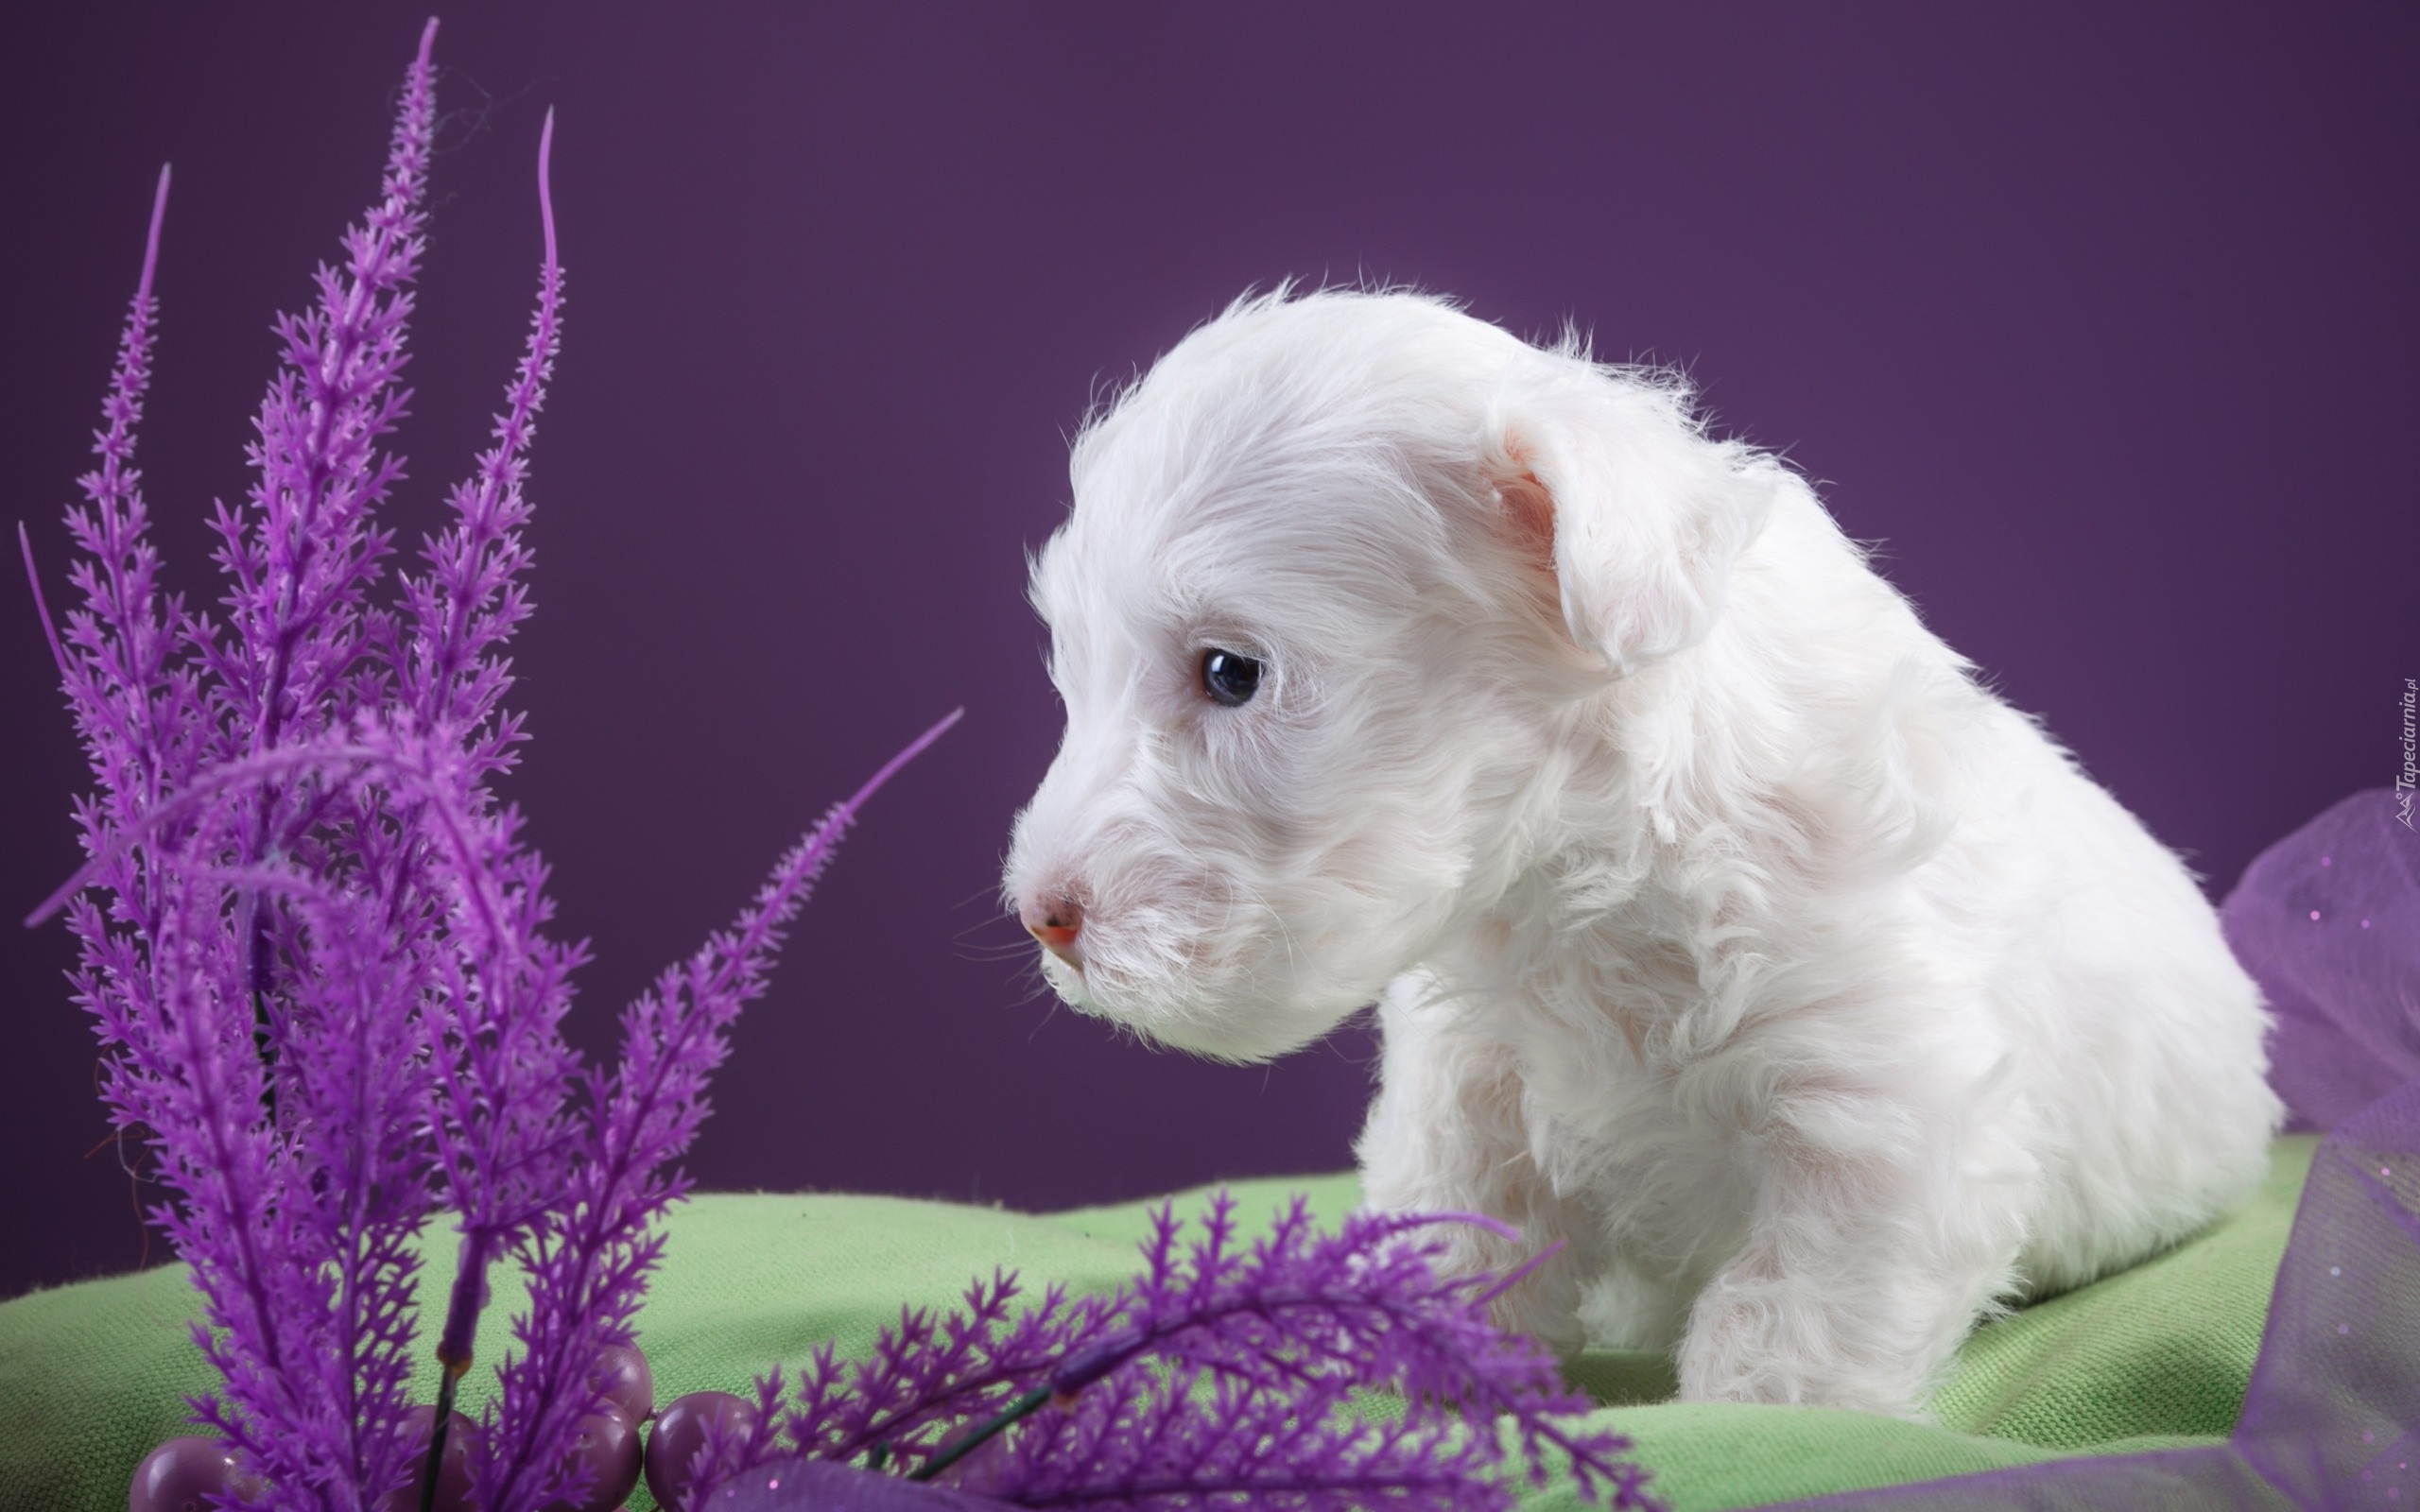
{"x":1229,"y":678}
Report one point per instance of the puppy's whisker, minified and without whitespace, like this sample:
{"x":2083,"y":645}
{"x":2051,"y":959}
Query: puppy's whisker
{"x":1003,"y":922}
{"x":991,"y":954}
{"x":1285,"y":931}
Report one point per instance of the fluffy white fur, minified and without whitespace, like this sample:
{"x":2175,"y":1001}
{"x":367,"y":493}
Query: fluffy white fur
{"x":1723,"y":926}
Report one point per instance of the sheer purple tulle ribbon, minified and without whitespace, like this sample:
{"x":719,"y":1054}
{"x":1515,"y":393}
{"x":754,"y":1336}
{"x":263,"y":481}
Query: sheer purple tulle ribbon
{"x":2329,"y":920}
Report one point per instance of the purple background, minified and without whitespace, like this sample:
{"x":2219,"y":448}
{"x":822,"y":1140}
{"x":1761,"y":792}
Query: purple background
{"x":2102,"y":320}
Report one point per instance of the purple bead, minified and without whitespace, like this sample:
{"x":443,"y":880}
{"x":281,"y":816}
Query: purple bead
{"x":680,"y":1432}
{"x":608,"y":1444}
{"x":179,"y":1475}
{"x":453,"y":1471}
{"x":629,"y":1384}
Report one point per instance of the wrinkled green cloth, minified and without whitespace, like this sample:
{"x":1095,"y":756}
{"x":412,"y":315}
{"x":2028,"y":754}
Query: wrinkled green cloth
{"x":92,"y":1375}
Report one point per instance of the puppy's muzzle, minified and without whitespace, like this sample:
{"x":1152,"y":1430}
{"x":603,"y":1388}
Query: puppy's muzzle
{"x":1055,"y":920}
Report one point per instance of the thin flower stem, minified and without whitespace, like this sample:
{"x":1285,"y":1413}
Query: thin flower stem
{"x":975,"y":1438}
{"x":462,"y":1308}
{"x":41,"y":607}
{"x":151,"y":238}
{"x":444,"y":1421}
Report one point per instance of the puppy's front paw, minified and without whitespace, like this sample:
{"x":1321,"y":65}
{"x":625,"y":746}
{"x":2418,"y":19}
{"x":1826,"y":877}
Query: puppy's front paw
{"x":1545,"y":1305}
{"x":1545,"y":1311}
{"x":1775,"y":1342}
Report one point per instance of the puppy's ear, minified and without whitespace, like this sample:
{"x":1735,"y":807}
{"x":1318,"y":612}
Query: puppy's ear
{"x":1607,"y":479}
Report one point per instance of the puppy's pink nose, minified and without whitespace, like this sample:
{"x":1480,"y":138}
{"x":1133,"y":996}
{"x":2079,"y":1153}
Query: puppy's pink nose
{"x":1055,"y":922}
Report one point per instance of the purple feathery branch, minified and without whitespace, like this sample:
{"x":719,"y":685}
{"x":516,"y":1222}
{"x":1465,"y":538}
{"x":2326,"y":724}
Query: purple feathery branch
{"x":506,"y":1133}
{"x":472,"y":597}
{"x":303,"y":557}
{"x":931,"y":1371}
{"x":303,"y":560}
{"x":1220,"y":1375}
{"x":588,"y":1262}
{"x":506,"y":1108}
{"x":192,"y":800}
{"x":1283,"y":1336}
{"x":119,"y":646}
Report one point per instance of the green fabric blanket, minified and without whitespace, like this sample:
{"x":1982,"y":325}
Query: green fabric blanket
{"x":92,"y":1375}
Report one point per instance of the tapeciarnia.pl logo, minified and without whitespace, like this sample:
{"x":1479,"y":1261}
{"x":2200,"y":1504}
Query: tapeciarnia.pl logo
{"x":2406,"y":778}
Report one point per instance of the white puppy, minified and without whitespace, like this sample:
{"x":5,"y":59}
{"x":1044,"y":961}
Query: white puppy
{"x":1725,"y":927}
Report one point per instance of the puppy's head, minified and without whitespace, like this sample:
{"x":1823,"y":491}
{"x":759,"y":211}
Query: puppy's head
{"x":1335,"y":568}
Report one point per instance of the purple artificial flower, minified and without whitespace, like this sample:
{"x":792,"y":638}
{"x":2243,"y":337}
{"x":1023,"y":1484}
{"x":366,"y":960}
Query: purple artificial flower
{"x":321,"y":971}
